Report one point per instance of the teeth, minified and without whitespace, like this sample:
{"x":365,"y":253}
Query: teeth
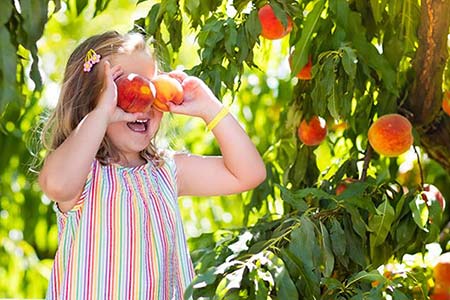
{"x":141,"y":121}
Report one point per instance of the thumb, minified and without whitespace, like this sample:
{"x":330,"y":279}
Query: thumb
{"x":176,"y":108}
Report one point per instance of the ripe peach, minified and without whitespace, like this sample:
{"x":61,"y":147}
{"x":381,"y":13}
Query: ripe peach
{"x":168,"y":89}
{"x":440,"y":296}
{"x":305,"y":72}
{"x":312,"y":133}
{"x":342,"y":186}
{"x":441,"y":273}
{"x":391,"y":135}
{"x":271,"y":26}
{"x":431,"y":193}
{"x":446,"y":102}
{"x":134,"y":93}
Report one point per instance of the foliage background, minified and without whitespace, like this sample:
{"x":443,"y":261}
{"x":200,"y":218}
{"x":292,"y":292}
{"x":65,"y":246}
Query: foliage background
{"x":251,"y":229}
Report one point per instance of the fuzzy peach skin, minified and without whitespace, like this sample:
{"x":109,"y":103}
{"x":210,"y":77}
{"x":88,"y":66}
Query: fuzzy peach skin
{"x":312,"y":132}
{"x":168,"y":89}
{"x":391,"y":135}
{"x":446,"y":103}
{"x":271,"y":26}
{"x":135,"y":93}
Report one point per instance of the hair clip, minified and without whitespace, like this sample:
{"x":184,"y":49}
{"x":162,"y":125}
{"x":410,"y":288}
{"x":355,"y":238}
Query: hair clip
{"x":91,"y":59}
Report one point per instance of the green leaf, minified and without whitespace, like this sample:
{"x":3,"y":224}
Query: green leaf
{"x":5,"y":12}
{"x":242,"y":45}
{"x":419,"y":211}
{"x":211,"y":33}
{"x":327,"y":254}
{"x":230,"y":36}
{"x":337,"y":236}
{"x":81,"y":5}
{"x":356,"y":247}
{"x":155,"y":19}
{"x":434,"y":211}
{"x":100,"y":6}
{"x":285,"y":287}
{"x":357,"y":221}
{"x":252,"y":28}
{"x":240,"y":4}
{"x":301,"y":51}
{"x":323,"y":94}
{"x":192,"y":8}
{"x":305,"y":247}
{"x":380,"y":224}
{"x":8,"y":61}
{"x":399,"y":207}
{"x":349,"y":61}
{"x":405,"y":232}
{"x":279,"y":13}
{"x":298,"y":170}
{"x":376,"y":10}
{"x":307,"y":286}
{"x":398,"y":295}
{"x":200,"y":281}
{"x":295,"y":201}
{"x":332,"y":284}
{"x":315,"y":192}
{"x":366,"y":276}
{"x":333,"y":99}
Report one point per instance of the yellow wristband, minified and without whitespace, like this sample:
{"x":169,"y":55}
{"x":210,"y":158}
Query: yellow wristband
{"x":220,"y":115}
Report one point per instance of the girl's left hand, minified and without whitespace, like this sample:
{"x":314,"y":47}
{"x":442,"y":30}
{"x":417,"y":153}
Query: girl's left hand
{"x":198,"y":99}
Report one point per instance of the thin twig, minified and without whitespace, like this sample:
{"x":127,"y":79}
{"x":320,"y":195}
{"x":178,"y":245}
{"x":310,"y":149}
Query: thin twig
{"x":367,"y":158}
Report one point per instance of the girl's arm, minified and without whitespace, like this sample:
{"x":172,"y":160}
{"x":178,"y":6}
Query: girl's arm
{"x":240,"y":167}
{"x":65,"y":170}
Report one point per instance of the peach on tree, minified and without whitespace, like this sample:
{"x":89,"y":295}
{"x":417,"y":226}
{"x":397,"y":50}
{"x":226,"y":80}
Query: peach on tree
{"x":271,"y":27}
{"x":312,"y":132}
{"x":391,"y":135}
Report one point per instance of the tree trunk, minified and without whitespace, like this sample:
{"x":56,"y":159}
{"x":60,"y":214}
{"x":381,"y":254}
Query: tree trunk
{"x":425,"y":97}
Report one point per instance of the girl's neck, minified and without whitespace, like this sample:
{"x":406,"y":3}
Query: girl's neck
{"x":131,"y":161}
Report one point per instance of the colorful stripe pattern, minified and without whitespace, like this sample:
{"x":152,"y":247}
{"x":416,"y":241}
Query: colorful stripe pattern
{"x":124,"y":239}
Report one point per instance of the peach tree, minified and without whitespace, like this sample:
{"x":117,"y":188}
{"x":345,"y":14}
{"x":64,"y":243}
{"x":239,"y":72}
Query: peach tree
{"x":349,"y":62}
{"x":365,"y":59}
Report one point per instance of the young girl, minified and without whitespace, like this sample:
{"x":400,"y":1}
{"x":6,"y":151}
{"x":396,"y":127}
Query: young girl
{"x":120,"y":231}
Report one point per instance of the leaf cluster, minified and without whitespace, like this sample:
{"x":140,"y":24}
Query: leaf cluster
{"x":327,"y":247}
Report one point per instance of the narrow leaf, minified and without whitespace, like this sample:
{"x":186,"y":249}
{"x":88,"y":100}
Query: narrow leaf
{"x":380,"y":224}
{"x":419,"y":211}
{"x":301,"y":52}
{"x":327,"y":254}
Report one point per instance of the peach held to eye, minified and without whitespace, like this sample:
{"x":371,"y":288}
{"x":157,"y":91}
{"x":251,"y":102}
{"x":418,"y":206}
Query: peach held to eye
{"x":168,"y":89}
{"x":135,"y":93}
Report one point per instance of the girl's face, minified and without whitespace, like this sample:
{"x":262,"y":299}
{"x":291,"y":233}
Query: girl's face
{"x":131,"y":138}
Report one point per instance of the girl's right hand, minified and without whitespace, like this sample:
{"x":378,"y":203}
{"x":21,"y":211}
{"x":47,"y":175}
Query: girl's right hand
{"x":107,"y":102}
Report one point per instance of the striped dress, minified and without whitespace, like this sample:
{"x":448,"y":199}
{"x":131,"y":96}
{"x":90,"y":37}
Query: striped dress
{"x":124,"y":238}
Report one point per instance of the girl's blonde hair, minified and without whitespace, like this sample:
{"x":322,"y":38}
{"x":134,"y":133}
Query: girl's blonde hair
{"x":80,"y":91}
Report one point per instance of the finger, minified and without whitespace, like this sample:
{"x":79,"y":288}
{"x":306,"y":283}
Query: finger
{"x":107,"y":75}
{"x":117,"y":74}
{"x":117,"y":71}
{"x":108,"y":72}
{"x":178,"y":75}
{"x":191,"y":82}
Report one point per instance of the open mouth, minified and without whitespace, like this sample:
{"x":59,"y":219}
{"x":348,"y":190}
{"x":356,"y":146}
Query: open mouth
{"x":138,"y":125}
